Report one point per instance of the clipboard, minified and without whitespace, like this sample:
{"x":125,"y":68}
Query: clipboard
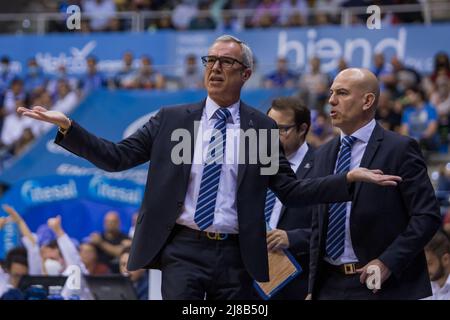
{"x":283,"y":268}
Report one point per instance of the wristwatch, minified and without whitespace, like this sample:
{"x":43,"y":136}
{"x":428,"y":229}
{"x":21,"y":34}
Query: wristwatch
{"x":64,"y":131}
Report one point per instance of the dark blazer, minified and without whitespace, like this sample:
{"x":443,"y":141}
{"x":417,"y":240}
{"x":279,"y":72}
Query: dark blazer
{"x":392,"y":224}
{"x":167,"y":182}
{"x":297,"y":224}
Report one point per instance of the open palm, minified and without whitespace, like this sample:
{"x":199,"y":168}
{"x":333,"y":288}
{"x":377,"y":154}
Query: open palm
{"x":42,"y":114}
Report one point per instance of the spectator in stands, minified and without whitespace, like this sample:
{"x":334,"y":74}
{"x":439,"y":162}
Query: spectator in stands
{"x":314,"y":86}
{"x":329,"y":10}
{"x":437,"y":252}
{"x":443,"y":184}
{"x":342,"y":64}
{"x":14,"y":268}
{"x":183,"y":13}
{"x":66,"y":98}
{"x":379,"y":67}
{"x":34,"y":77}
{"x":282,"y":77}
{"x":419,"y":120}
{"x":192,"y":77}
{"x":290,"y":9}
{"x":441,"y":97}
{"x":138,"y":277}
{"x":61,"y":74}
{"x":386,"y":114}
{"x":256,"y":81}
{"x":401,"y":77}
{"x":89,"y":256}
{"x":266,"y":14}
{"x":6,"y":76}
{"x":100,"y":12}
{"x":93,"y":79}
{"x":165,"y":22}
{"x":15,"y":93}
{"x":110,"y":242}
{"x":321,"y":129}
{"x":203,"y":20}
{"x":126,"y":76}
{"x":147,"y":77}
{"x":441,"y":66}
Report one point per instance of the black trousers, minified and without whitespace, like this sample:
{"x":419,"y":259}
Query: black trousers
{"x":338,"y":286}
{"x":195,"y":267}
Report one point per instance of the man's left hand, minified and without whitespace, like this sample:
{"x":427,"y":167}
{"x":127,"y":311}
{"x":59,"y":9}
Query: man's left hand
{"x":384,"y":272}
{"x":277,"y":239}
{"x":372,"y":176}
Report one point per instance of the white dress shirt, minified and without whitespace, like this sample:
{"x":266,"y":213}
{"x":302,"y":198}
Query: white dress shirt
{"x":440,"y":293}
{"x":362,"y":136}
{"x":225,"y":214}
{"x":295,"y":160}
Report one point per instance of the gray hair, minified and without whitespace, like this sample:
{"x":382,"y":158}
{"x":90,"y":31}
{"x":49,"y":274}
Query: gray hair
{"x":247,"y":54}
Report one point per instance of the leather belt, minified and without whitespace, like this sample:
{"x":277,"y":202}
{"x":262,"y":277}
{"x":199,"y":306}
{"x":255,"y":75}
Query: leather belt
{"x":347,"y":269}
{"x":216,"y":236}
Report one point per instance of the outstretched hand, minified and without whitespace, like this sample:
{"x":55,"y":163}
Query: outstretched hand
{"x":13,"y":214}
{"x":42,"y":114}
{"x":55,"y":225}
{"x":373,"y":176}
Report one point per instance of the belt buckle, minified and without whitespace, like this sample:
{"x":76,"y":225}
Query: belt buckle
{"x":216,"y":235}
{"x":349,"y":268}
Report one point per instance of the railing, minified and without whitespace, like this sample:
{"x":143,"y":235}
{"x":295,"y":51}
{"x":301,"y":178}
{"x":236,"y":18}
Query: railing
{"x":141,"y":21}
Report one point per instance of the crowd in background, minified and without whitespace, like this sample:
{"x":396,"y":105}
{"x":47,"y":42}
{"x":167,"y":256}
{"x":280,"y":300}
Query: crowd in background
{"x":223,"y":15}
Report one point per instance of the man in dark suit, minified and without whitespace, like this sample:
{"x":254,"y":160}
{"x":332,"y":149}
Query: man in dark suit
{"x":201,"y":221}
{"x":290,"y":228}
{"x":372,"y":247}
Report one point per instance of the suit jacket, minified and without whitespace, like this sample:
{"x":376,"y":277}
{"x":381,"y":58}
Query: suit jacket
{"x":167,"y":182}
{"x":392,"y":224}
{"x":297,"y":224}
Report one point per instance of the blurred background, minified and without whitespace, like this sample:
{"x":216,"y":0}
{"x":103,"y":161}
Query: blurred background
{"x":126,"y":58}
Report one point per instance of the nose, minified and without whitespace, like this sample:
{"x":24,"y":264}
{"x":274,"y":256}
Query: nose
{"x":216,"y":66}
{"x":332,"y":100}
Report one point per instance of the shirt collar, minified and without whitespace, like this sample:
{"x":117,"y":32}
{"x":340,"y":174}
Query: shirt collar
{"x":296,"y":158}
{"x":211,"y":107}
{"x":436,"y":287}
{"x":363,"y":134}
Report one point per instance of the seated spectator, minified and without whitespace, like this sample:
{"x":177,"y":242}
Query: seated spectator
{"x":314,"y":86}
{"x":400,"y":78}
{"x":443,"y":184}
{"x":61,"y":74}
{"x":386,"y":114}
{"x":419,"y":120}
{"x":125,"y":78}
{"x":147,"y":77}
{"x":282,"y":77}
{"x":14,"y":268}
{"x":34,"y":77}
{"x":293,"y":8}
{"x":437,"y":252}
{"x":329,"y":9}
{"x":342,"y":64}
{"x":93,"y":79}
{"x":379,"y":66}
{"x":183,"y":13}
{"x":192,"y":76}
{"x":441,"y":97}
{"x":203,"y":20}
{"x":6,"y":75}
{"x":15,"y":93}
{"x":100,"y":13}
{"x":321,"y":129}
{"x":89,"y":256}
{"x":111,"y":242}
{"x":441,"y":66}
{"x":266,"y":14}
{"x":139,"y":278}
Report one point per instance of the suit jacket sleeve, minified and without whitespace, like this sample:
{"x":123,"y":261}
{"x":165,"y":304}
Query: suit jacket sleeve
{"x":294,"y":192}
{"x":109,"y":156}
{"x":420,"y":201}
{"x":313,"y":250}
{"x":299,"y":240}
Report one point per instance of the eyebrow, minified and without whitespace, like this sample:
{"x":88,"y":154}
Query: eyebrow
{"x":339,"y":89}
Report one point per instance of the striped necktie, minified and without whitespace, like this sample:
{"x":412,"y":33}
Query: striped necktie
{"x":337,"y":211}
{"x":270,"y":203}
{"x":206,"y":202}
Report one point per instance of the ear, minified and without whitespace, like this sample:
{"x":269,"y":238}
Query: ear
{"x":445,"y":259}
{"x":246,"y":74}
{"x":369,"y":100}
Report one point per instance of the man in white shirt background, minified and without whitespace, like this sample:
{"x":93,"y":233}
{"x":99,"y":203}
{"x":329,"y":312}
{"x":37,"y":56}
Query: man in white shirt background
{"x":290,"y":228}
{"x":437,"y":252}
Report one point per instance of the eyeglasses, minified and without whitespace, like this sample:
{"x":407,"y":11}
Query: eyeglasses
{"x":226,"y":62}
{"x":284,"y":130}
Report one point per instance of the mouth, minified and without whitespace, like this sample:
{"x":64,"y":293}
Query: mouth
{"x":333,"y":114}
{"x":216,"y":79}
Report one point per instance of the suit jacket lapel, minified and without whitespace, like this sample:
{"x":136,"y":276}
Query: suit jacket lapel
{"x":194,"y":113}
{"x":304,"y":167}
{"x":371,"y":149}
{"x":247,"y":121}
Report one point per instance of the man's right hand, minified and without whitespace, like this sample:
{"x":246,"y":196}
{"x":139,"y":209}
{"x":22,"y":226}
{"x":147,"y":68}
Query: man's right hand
{"x":372,"y":176}
{"x":42,"y":114}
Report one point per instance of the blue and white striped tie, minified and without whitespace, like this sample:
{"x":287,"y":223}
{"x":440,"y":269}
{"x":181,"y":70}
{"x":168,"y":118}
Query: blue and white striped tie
{"x":270,"y":203}
{"x":206,"y":203}
{"x":337,"y":211}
